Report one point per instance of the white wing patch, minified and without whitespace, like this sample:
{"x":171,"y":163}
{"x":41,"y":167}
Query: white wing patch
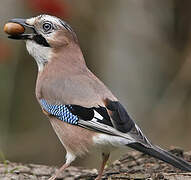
{"x":97,"y":115}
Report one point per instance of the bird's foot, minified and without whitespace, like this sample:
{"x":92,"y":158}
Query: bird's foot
{"x":59,"y":171}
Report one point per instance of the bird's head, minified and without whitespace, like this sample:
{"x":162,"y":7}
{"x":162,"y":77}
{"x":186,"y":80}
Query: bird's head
{"x":46,"y":33}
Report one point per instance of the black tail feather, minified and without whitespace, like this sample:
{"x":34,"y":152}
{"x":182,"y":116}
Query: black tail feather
{"x":163,"y":155}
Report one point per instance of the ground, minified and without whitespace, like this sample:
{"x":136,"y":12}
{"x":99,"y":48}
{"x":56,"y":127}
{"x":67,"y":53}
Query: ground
{"x":132,"y":166}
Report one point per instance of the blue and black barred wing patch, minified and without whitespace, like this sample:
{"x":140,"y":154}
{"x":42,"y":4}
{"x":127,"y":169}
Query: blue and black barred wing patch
{"x":62,"y":112}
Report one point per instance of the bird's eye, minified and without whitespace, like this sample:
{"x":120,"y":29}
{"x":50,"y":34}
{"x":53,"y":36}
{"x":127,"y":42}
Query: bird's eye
{"x":47,"y":26}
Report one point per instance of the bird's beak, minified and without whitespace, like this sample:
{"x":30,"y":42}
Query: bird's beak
{"x":34,"y":36}
{"x":23,"y":23}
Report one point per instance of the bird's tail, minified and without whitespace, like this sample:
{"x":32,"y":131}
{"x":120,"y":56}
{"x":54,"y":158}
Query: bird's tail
{"x":163,"y":155}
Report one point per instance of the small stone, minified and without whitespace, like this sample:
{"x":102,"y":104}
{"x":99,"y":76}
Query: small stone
{"x":117,"y":162}
{"x":131,"y":164}
{"x":160,"y":176}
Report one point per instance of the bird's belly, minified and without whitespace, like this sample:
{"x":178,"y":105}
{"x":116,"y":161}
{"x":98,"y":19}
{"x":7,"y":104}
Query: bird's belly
{"x":88,"y":146}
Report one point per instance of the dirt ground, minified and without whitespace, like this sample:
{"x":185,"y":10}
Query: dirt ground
{"x":132,"y":166}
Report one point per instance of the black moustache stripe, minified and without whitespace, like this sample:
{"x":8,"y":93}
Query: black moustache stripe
{"x":40,"y":40}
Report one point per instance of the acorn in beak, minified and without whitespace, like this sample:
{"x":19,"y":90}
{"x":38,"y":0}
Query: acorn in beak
{"x":17,"y":27}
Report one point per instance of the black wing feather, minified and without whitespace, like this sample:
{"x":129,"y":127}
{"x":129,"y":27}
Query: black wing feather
{"x":119,"y":116}
{"x":88,"y":114}
{"x":122,"y":121}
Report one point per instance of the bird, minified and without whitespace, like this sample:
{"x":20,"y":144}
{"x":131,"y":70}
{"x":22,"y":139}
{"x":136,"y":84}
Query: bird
{"x":91,"y":123}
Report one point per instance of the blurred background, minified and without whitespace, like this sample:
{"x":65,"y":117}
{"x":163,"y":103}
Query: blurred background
{"x":140,"y":49}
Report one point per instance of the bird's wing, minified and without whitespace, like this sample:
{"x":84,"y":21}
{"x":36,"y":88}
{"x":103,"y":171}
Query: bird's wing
{"x":111,"y":119}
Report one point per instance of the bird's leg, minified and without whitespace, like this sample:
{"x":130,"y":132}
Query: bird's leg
{"x":59,"y":171}
{"x":105,"y":157}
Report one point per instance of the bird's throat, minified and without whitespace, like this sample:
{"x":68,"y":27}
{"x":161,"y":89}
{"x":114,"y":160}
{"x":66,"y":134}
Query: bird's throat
{"x":39,"y":53}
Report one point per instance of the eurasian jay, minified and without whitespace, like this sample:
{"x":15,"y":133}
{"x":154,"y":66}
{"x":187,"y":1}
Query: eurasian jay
{"x":87,"y":118}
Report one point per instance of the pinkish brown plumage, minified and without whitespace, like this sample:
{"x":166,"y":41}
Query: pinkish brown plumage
{"x":88,"y":119}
